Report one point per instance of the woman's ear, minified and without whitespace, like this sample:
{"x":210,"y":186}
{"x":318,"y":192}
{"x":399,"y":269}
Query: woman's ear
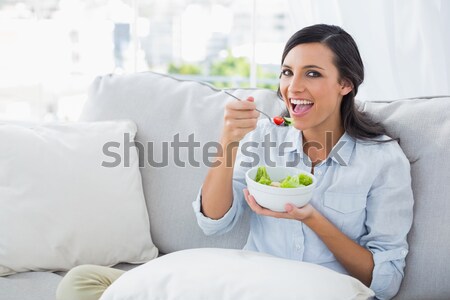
{"x":346,"y":87}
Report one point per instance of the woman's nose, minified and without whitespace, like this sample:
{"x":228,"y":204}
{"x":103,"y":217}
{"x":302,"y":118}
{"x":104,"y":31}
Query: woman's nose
{"x":296,"y":85}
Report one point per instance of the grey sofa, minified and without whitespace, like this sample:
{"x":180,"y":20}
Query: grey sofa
{"x":163,"y":107}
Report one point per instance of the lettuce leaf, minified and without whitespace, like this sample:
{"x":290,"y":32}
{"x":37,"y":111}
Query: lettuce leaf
{"x":290,"y":182}
{"x":262,"y":176}
{"x":304,"y":179}
{"x":296,"y":181}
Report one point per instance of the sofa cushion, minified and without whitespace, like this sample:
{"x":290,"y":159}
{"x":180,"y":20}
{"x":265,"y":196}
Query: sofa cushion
{"x":37,"y":285}
{"x":237,"y":274}
{"x":29,"y":286}
{"x":60,"y":207}
{"x":423,"y":126}
{"x":166,"y":109}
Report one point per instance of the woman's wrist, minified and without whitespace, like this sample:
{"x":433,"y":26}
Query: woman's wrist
{"x":312,"y":217}
{"x":227,"y":139}
{"x":303,"y":214}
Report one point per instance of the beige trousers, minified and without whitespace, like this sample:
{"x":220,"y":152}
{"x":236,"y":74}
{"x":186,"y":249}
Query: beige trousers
{"x":86,"y":282}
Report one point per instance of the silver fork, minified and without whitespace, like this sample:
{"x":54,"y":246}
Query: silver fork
{"x":268,"y":117}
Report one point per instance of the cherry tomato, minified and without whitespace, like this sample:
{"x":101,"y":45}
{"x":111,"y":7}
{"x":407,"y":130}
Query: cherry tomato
{"x":278,"y":120}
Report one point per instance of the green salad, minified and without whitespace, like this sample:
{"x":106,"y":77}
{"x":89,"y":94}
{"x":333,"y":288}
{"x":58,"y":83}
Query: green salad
{"x":288,"y":182}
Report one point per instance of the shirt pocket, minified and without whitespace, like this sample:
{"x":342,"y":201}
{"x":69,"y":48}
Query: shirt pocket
{"x":347,"y":211}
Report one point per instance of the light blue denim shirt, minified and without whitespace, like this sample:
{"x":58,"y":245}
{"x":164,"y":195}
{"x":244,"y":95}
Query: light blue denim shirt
{"x":363,"y":188}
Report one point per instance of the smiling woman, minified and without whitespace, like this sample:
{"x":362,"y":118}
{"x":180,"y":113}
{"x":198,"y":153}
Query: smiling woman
{"x":343,"y":227}
{"x":322,"y":64}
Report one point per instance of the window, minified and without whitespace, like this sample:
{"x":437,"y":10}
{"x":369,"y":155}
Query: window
{"x":50,"y":51}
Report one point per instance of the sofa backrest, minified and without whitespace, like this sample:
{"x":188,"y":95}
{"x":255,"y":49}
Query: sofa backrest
{"x":163,"y":107}
{"x":423,"y":126}
{"x":166,"y":109}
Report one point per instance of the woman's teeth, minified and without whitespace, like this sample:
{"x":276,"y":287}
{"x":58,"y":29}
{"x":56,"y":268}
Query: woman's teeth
{"x":301,"y":107}
{"x":302,"y":102}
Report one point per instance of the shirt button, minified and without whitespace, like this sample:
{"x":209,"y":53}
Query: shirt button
{"x":404,"y":252}
{"x":319,"y":172}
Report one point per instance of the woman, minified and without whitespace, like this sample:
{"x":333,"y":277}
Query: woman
{"x":361,"y":211}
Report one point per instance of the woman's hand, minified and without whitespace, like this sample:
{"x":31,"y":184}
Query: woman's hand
{"x":292,"y":212}
{"x":240,"y":118}
{"x":357,"y":260}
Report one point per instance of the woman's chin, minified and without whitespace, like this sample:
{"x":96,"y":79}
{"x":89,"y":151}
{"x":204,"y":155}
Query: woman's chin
{"x":297,"y":122}
{"x":299,"y":126}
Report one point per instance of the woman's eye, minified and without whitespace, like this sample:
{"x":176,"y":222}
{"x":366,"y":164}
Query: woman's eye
{"x":286,"y":72}
{"x":313,"y":74}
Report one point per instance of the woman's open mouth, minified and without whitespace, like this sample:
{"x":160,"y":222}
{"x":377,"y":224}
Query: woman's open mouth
{"x":300,"y":107}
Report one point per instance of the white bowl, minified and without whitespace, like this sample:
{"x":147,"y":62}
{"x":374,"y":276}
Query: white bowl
{"x":275,"y":198}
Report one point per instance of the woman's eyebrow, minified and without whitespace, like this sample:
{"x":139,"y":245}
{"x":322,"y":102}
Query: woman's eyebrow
{"x":312,"y":66}
{"x":304,"y":67}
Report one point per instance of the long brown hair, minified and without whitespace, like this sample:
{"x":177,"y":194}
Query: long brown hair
{"x":350,"y":67}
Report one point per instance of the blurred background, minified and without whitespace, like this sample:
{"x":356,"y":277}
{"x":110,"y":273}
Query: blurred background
{"x":51,"y":50}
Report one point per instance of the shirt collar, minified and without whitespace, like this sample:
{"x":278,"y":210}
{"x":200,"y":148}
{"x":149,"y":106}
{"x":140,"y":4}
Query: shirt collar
{"x":341,"y":152}
{"x":294,"y":141}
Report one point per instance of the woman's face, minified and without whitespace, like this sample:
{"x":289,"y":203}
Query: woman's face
{"x":311,"y":88}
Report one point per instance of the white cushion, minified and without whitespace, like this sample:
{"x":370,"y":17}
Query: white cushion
{"x":59,"y":207}
{"x":232,"y":274}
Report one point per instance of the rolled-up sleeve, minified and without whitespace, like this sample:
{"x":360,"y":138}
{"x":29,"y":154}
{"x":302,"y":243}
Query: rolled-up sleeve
{"x":389,"y":219}
{"x":226,"y":223}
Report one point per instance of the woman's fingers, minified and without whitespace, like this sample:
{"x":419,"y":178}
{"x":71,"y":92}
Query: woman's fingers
{"x":241,"y":105}
{"x":292,"y":212}
{"x":299,"y":213}
{"x":253,"y":205}
{"x":241,"y":114}
{"x":261,"y":210}
{"x":241,"y":123}
{"x":240,"y":117}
